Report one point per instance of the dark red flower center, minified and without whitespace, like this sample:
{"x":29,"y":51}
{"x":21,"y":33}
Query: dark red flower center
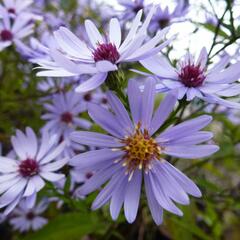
{"x":30,"y":215}
{"x":29,"y":168}
{"x":6,"y":35}
{"x":12,"y":10}
{"x":106,"y":51}
{"x":67,"y":117}
{"x":164,"y":22}
{"x":88,"y":175}
{"x":191,"y":76}
{"x":104,"y":100}
{"x":87,"y":97}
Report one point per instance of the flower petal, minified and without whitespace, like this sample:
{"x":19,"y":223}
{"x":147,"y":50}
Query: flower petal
{"x":98,"y":179}
{"x":115,"y":32}
{"x":95,"y":81}
{"x":95,"y":139}
{"x":155,"y":208}
{"x":30,"y":189}
{"x":147,"y":103}
{"x":87,"y":159}
{"x":135,"y":99}
{"x":54,"y":166}
{"x":162,"y":113}
{"x":7,"y":165}
{"x":228,"y":75}
{"x":52,"y":177}
{"x":184,"y":129}
{"x":106,"y":120}
{"x":170,"y":186}
{"x":120,"y":112}
{"x":106,"y":193}
{"x":12,"y":193}
{"x":104,"y":66}
{"x":70,"y":43}
{"x":94,"y":35}
{"x":132,"y":196}
{"x":118,"y":198}
{"x":132,"y":32}
{"x":214,"y":99}
{"x":161,"y":197}
{"x":159,"y":66}
{"x":53,"y":154}
{"x":192,"y":152}
{"x":187,"y":184}
{"x":192,"y":139}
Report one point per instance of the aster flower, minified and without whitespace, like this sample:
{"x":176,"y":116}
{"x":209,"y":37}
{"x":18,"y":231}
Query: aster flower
{"x":53,"y":86}
{"x":63,"y":117}
{"x":23,"y":176}
{"x":13,"y":32}
{"x":63,"y":113}
{"x":96,"y":96}
{"x":192,"y":79}
{"x":25,"y":219}
{"x":17,"y":7}
{"x":164,"y":17}
{"x":135,"y":151}
{"x":131,"y":8}
{"x":75,"y":57}
{"x":35,"y":49}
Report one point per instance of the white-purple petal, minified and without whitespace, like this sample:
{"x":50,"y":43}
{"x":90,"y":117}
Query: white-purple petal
{"x":88,"y":159}
{"x":162,"y":112}
{"x":187,"y":184}
{"x":92,"y":83}
{"x":132,"y":196}
{"x":190,"y":151}
{"x":147,"y":103}
{"x":184,"y":129}
{"x":155,"y":208}
{"x":95,"y":139}
{"x":106,"y":120}
{"x":120,"y":112}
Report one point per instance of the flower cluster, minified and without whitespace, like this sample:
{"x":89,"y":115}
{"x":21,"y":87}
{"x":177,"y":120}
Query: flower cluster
{"x":116,"y":112}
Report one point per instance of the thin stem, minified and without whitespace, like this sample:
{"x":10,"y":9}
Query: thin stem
{"x":217,"y":31}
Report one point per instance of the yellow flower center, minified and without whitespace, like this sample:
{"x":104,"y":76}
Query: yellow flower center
{"x":140,"y":150}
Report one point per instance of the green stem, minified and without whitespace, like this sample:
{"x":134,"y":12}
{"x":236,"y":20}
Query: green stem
{"x":216,"y":32}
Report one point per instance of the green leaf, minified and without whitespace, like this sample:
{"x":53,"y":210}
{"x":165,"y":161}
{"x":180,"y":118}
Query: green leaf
{"x":69,"y":5}
{"x":212,"y":28}
{"x":70,"y":226}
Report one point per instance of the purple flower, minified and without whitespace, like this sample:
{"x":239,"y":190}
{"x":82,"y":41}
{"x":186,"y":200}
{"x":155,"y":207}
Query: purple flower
{"x":131,"y":8}
{"x":164,"y":18}
{"x":63,"y":113}
{"x":37,"y":50}
{"x":13,"y":32}
{"x":63,"y":118}
{"x":22,"y":177}
{"x":25,"y":219}
{"x":192,"y":79}
{"x":101,"y":55}
{"x":135,"y":151}
{"x":17,"y":7}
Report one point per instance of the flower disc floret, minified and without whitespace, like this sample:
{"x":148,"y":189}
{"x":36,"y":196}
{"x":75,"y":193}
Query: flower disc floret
{"x":6,"y":35}
{"x":67,"y":117}
{"x":192,"y":75}
{"x":106,"y":51}
{"x":29,"y":168}
{"x":140,"y":150}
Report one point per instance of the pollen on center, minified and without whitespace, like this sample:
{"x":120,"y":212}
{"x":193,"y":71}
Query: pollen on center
{"x":140,"y":150}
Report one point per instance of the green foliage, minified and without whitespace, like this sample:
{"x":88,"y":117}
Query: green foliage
{"x":72,"y":226}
